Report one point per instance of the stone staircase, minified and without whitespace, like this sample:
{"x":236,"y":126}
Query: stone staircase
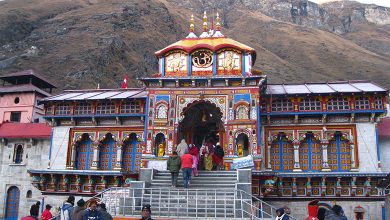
{"x":205,"y":180}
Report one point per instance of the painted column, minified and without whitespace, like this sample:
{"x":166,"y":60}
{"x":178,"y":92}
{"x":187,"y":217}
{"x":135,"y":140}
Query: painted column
{"x":325,"y":164}
{"x":215,"y":64}
{"x":297,"y":167}
{"x":95,"y":159}
{"x":73,"y":156}
{"x":118,"y":162}
{"x":269,"y":157}
{"x":353,"y":159}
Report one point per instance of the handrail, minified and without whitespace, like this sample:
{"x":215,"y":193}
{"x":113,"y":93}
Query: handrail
{"x":260,"y":207}
{"x":187,"y":203}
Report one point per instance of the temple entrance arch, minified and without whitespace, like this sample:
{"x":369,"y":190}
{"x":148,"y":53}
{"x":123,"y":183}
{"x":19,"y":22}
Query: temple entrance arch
{"x":242,"y":145}
{"x":202,"y":120}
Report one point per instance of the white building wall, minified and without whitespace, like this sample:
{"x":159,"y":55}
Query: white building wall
{"x":368,"y":156}
{"x":35,"y":156}
{"x":384,"y":143}
{"x":60,"y":143}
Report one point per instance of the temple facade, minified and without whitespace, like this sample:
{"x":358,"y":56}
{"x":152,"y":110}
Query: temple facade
{"x":312,"y":140}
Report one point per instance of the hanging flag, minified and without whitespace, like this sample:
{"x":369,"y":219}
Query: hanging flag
{"x":125,"y":81}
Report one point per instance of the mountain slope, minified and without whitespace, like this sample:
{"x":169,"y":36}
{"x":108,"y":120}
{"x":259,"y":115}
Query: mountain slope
{"x":79,"y":44}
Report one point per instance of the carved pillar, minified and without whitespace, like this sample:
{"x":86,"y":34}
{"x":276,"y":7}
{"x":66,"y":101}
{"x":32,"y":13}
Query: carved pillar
{"x":119,"y":153}
{"x":338,"y":186}
{"x":73,"y":153}
{"x":95,"y":159}
{"x":367,"y":186}
{"x":353,"y":159}
{"x":269,"y":157}
{"x":308,"y":186}
{"x":323,"y":186}
{"x":297,"y":166}
{"x":325,"y":164}
{"x":353,"y":186}
{"x":294,"y":186}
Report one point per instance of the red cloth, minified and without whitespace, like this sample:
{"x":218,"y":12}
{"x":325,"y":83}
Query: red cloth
{"x":46,"y":215}
{"x":217,"y":160}
{"x":28,"y":218}
{"x":186,"y":161}
{"x":194,"y":151}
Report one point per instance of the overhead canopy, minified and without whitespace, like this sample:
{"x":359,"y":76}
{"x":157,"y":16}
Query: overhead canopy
{"x":322,"y":88}
{"x":98,"y":94}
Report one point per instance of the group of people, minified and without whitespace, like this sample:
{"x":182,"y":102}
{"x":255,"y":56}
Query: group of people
{"x":187,"y":158}
{"x":94,"y":211}
{"x":315,"y":212}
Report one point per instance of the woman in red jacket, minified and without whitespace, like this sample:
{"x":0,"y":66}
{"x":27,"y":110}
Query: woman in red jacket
{"x":46,"y":214}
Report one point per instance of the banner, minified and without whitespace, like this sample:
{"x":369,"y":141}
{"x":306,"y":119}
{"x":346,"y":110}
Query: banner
{"x":243,"y":162}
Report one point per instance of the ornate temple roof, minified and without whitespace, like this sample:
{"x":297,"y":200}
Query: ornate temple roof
{"x":212,"y":43}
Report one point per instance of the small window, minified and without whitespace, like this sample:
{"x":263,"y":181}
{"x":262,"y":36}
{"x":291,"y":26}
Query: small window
{"x":282,"y":105}
{"x":49,"y":110}
{"x":338,"y":104}
{"x":105,"y":108}
{"x":15,"y":116}
{"x":29,"y":194}
{"x":18,"y":158}
{"x":131,"y":107}
{"x":17,"y":100}
{"x":63,"y":109}
{"x":83,"y":109}
{"x":310,"y":104}
{"x":362,"y":103}
{"x":378,"y":103}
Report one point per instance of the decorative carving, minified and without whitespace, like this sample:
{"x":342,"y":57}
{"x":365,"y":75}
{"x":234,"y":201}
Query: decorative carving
{"x":202,"y":58}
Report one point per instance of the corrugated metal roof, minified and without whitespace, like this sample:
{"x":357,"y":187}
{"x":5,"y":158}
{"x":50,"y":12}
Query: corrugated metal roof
{"x":97,"y":94}
{"x":318,"y":88}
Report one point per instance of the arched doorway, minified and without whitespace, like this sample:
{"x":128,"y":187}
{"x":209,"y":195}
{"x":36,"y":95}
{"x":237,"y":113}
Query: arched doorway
{"x":107,"y":154}
{"x":84,"y":153}
{"x":12,"y":204}
{"x":242,"y":145}
{"x":202,"y":121}
{"x":159,"y":145}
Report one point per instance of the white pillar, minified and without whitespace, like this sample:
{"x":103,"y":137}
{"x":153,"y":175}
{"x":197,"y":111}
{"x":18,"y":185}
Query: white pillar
{"x":325,"y":164}
{"x":269,"y":157}
{"x":73,"y":156}
{"x":95,"y":160}
{"x":118,"y":163}
{"x":297,"y":166}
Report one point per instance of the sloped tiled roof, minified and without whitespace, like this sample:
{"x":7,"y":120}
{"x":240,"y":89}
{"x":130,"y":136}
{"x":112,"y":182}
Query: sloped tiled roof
{"x":24,"y":130}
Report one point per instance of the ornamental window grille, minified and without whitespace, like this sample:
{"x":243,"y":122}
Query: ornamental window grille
{"x":310,"y":154}
{"x":338,"y":103}
{"x":83,"y":109}
{"x":18,"y":158}
{"x":339,"y":154}
{"x":130,"y":107}
{"x":362,"y":103}
{"x":162,"y":111}
{"x":378,"y":103}
{"x":49,"y":110}
{"x":105,"y":108}
{"x":242,"y":112}
{"x":310,"y":104}
{"x":282,"y":105}
{"x":63,"y":109}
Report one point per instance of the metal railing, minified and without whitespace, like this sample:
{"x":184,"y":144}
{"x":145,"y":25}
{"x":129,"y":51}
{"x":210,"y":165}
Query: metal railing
{"x":186,"y":203}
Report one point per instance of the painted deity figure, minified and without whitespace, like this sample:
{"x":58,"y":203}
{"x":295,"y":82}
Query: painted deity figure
{"x":176,"y":63}
{"x":161,"y":150}
{"x":240,"y":150}
{"x":228,"y":62}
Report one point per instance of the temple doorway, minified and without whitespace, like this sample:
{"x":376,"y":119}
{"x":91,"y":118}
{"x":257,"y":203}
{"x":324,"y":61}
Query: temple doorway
{"x":202,"y":122}
{"x":242,"y":145}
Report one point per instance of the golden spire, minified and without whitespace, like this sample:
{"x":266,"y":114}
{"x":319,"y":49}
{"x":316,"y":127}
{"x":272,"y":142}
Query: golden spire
{"x":192,"y":26}
{"x":218,"y":23}
{"x":205,"y":29}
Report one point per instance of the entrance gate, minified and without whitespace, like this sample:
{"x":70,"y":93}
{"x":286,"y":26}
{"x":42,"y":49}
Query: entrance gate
{"x":12,"y":204}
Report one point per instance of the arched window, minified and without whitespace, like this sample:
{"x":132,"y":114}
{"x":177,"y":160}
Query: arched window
{"x":362,"y":103}
{"x":310,"y":104}
{"x":131,"y":154}
{"x":280,"y":105}
{"x":18,"y":157}
{"x":29,"y":194}
{"x":84,"y":155}
{"x":242,"y":112}
{"x":338,"y":103}
{"x":162,"y":111}
{"x":282,"y":154}
{"x":310,"y":154}
{"x":107,"y":154}
{"x":339,"y":154}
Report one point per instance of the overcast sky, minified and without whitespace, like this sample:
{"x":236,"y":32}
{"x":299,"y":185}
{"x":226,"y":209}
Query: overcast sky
{"x":377,"y":2}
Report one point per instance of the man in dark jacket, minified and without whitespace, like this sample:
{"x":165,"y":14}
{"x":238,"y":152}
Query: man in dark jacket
{"x":103,"y":212}
{"x":92,"y":213}
{"x":146,"y":213}
{"x":78,"y":211}
{"x":173,"y":165}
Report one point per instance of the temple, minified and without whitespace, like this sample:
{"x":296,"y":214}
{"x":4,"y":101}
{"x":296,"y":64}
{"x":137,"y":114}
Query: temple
{"x":309,"y":140}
